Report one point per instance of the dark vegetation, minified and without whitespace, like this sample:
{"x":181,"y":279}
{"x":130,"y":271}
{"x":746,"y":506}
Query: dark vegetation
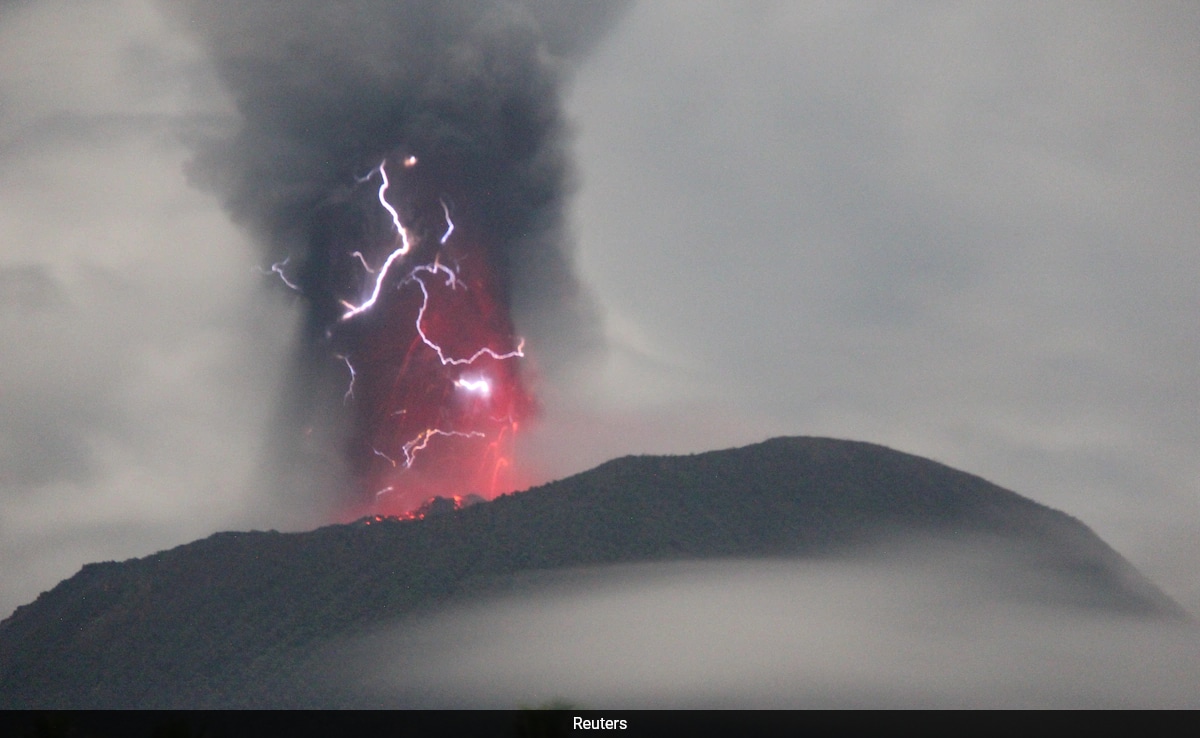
{"x":234,"y":620}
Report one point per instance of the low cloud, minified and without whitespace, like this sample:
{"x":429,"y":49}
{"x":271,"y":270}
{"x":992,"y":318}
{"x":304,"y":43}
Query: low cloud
{"x":940,"y":627}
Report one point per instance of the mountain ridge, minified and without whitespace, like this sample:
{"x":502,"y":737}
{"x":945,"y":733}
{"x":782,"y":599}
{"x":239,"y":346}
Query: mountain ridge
{"x":228,"y":620}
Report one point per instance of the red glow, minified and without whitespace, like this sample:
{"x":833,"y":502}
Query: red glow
{"x":424,"y":425}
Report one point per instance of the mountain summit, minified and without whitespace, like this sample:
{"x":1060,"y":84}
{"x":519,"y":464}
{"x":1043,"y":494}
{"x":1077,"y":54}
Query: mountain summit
{"x":234,"y":619}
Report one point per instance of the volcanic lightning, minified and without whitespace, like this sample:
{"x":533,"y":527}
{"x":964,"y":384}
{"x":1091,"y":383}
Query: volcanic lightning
{"x":381,"y":292}
{"x":384,"y":456}
{"x":413,"y":167}
{"x":349,"y":388}
{"x":476,"y":386}
{"x":277,"y":268}
{"x":419,"y":443}
{"x":404,"y":248}
{"x":403,"y":407}
{"x":449,"y":224}
{"x":452,"y":281}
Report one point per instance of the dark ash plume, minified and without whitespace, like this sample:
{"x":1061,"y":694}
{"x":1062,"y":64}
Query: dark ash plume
{"x":326,"y":90}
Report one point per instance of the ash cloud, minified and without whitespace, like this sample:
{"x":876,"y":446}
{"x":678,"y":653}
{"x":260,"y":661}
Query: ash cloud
{"x":325,"y":91}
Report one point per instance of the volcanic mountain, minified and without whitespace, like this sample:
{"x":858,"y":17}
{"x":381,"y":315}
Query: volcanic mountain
{"x":234,"y":620}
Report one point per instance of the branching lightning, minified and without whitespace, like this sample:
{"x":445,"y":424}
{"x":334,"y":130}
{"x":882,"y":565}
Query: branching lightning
{"x":451,"y":278}
{"x":385,"y":164}
{"x":403,"y":249}
{"x":277,"y":268}
{"x":421,"y":441}
{"x":410,"y":398}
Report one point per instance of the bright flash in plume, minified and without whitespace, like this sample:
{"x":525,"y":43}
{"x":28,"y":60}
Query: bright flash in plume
{"x":479,"y":387}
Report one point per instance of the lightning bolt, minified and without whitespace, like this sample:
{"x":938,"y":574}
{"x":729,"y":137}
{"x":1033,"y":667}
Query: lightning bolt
{"x":350,"y":389}
{"x":422,"y":440}
{"x":449,"y":223}
{"x":389,"y":459}
{"x":277,"y":268}
{"x":405,"y":245}
{"x":362,"y":260}
{"x":403,"y":242}
{"x":451,"y":279}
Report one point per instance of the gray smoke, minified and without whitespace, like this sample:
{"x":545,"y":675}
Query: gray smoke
{"x":325,"y":90}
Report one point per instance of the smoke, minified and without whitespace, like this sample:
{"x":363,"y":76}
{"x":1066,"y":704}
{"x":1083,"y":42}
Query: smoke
{"x":324,"y":93}
{"x":941,"y":627}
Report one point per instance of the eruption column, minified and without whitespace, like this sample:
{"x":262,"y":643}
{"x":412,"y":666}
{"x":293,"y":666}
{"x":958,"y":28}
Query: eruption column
{"x":474,"y":88}
{"x":411,"y":398}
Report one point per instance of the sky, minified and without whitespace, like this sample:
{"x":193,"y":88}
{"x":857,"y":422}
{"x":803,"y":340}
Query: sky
{"x":965,"y":231}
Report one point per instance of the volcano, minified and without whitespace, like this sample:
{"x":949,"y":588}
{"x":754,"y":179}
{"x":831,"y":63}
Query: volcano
{"x":238,"y":619}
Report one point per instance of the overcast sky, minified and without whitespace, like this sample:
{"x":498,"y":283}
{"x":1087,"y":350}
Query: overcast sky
{"x":963,"y":231}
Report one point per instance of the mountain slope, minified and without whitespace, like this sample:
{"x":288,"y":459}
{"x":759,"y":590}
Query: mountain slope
{"x":230,"y":620}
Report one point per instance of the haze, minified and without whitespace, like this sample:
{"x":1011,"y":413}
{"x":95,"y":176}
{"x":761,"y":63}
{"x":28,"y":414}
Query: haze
{"x":926,"y":627}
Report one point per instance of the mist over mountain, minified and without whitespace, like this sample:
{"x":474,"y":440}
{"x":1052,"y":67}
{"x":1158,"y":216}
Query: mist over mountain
{"x":251,"y":619}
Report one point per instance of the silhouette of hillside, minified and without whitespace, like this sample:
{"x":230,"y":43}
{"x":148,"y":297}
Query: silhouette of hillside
{"x":232,"y":620}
